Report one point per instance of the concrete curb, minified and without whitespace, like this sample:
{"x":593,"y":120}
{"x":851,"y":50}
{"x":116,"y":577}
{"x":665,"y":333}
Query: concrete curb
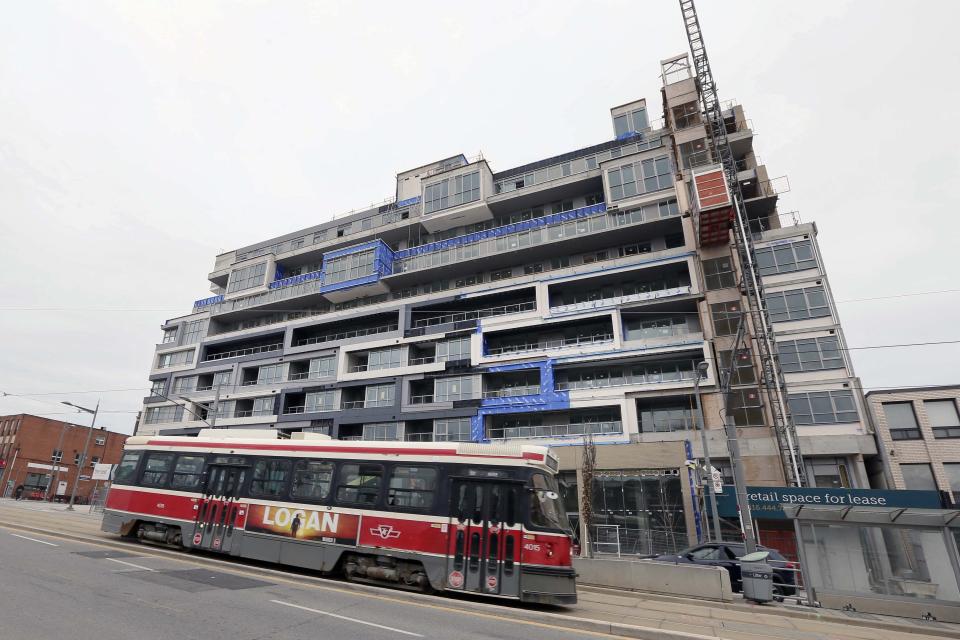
{"x":545,"y":618}
{"x":817,"y":615}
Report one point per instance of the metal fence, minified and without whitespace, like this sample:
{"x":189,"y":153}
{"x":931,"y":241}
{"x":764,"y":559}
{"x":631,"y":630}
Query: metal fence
{"x":610,"y":539}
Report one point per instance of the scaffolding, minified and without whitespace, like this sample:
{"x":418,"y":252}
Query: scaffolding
{"x":762,"y":329}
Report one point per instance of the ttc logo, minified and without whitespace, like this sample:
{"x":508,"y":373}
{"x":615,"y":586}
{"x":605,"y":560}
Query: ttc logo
{"x":384,"y":531}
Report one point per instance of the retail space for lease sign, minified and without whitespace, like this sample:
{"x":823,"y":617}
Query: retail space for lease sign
{"x":767,"y":502}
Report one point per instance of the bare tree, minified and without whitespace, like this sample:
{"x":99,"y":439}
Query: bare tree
{"x":587,"y":469}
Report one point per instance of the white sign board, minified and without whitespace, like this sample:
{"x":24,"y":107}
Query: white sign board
{"x":717,"y":480}
{"x":62,"y":488}
{"x":102,"y":471}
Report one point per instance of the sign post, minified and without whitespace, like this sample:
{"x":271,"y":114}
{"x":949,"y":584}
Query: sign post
{"x":101,"y":471}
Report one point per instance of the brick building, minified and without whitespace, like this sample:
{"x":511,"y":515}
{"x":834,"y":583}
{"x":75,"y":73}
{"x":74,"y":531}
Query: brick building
{"x":36,"y":451}
{"x":918,"y":434}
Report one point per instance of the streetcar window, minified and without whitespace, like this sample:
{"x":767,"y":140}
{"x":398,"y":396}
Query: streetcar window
{"x":127,"y":467}
{"x":359,"y":483}
{"x":311,"y":480}
{"x":476,"y":503}
{"x":187,"y":472}
{"x":546,"y":509}
{"x":412,"y":487}
{"x":510,"y":506}
{"x":270,"y":477}
{"x":157,"y":469}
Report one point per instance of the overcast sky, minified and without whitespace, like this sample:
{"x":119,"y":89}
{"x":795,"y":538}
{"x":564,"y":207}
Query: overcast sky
{"x":140,"y":139}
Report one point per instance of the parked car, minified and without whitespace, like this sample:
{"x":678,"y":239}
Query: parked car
{"x":728,"y":554}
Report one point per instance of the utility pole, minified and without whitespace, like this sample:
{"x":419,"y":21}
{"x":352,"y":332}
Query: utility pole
{"x":86,"y":445}
{"x":700,"y":372}
{"x":215,"y":407}
{"x":56,"y":463}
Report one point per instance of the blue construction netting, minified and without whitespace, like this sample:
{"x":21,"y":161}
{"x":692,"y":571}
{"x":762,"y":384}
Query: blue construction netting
{"x":549,"y":399}
{"x":292,"y":280}
{"x":208,"y":301}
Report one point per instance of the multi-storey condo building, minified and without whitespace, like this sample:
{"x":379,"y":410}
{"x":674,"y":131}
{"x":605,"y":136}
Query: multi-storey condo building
{"x":568,"y":297}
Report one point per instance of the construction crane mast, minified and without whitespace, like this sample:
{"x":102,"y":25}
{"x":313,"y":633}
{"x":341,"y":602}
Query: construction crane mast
{"x":759,"y":320}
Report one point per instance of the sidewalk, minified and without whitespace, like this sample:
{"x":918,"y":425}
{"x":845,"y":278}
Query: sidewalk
{"x":738,"y":620}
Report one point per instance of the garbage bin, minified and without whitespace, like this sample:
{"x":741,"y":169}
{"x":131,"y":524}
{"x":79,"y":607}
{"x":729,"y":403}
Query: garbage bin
{"x":757,"y":577}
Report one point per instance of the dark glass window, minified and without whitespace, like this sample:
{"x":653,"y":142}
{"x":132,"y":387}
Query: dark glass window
{"x":127,"y":467}
{"x":270,"y":478}
{"x":726,"y":318}
{"x":187,"y":473}
{"x":718,"y":273}
{"x":156,"y":469}
{"x":905,"y":434}
{"x":810,"y":354}
{"x":412,"y":487}
{"x":312,"y":480}
{"x":359,"y":483}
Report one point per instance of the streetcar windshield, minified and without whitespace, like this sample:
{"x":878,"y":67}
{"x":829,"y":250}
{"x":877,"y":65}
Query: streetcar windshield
{"x":546,"y":508}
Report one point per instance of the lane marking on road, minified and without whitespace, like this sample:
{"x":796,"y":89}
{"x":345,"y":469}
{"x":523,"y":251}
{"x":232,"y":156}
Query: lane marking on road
{"x":339,"y":617}
{"x":130,"y":564}
{"x":34,"y":540}
{"x":240,"y":570}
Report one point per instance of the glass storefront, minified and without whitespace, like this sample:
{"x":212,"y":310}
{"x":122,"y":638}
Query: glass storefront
{"x":635,"y":512}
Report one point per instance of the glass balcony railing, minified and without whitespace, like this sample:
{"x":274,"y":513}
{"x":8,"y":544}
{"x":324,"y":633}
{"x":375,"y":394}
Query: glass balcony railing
{"x":512,"y":392}
{"x":344,"y":335}
{"x":462,"y":316}
{"x":244,"y":352}
{"x":545,"y":345}
{"x":506,"y":239}
{"x":586,"y":305}
{"x":557,"y":430}
{"x":418,"y":437}
{"x":648,"y":377}
{"x":424,"y":360}
{"x":422,"y":399}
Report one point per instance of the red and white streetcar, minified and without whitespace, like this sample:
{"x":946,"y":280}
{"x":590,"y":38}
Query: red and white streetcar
{"x":465,"y":517}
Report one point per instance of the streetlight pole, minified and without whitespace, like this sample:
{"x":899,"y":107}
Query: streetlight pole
{"x":701,"y":371}
{"x":86,"y":445}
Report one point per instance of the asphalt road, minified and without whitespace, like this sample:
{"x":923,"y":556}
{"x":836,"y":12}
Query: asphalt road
{"x":54,"y":589}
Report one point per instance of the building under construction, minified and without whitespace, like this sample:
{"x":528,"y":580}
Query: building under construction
{"x":567,"y":299}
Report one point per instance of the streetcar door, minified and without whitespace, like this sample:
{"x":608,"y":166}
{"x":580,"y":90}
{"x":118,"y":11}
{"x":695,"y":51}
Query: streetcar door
{"x":218,"y":511}
{"x":484,"y":537}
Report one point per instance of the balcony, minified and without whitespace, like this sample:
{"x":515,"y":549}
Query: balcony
{"x":614,"y":427}
{"x":549,"y":337}
{"x":422,"y":399}
{"x":546,"y":345}
{"x":464,"y":316}
{"x":345,"y":329}
{"x":512,"y":392}
{"x":653,"y":283}
{"x":542,"y":173}
{"x":641,"y":373}
{"x":248,"y":351}
{"x":507,"y":239}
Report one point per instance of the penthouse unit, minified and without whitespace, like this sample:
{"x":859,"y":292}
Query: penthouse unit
{"x":571,"y":297}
